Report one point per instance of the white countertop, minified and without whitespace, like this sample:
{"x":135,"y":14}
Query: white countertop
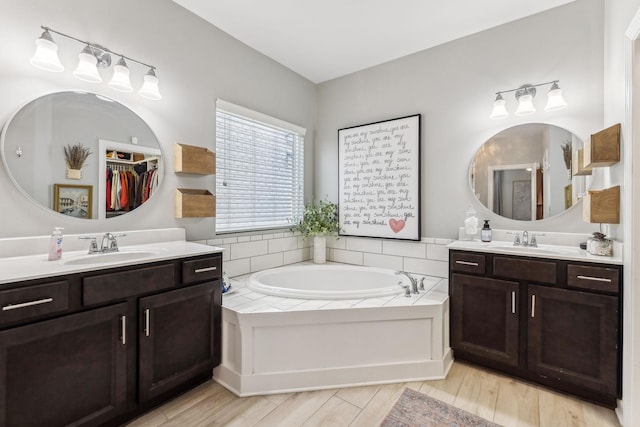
{"x":28,"y":267}
{"x":572,"y":253}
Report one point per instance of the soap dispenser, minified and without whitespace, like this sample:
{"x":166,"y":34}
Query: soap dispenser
{"x":485,"y":233}
{"x":55,"y":244}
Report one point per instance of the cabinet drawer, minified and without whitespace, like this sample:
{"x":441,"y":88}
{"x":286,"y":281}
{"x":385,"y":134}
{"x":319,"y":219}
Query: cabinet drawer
{"x":525,"y":269}
{"x":124,"y":284}
{"x":33,"y":301}
{"x":468,"y":263}
{"x":201,"y":269}
{"x":593,"y":278}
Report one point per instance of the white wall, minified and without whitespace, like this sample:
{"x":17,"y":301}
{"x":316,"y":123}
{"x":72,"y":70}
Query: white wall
{"x":196,"y":64}
{"x":619,"y":62}
{"x":453,"y":86}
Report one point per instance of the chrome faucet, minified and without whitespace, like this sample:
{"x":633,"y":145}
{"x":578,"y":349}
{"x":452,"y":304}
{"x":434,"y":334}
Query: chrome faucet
{"x":414,"y":282}
{"x":111,"y":243}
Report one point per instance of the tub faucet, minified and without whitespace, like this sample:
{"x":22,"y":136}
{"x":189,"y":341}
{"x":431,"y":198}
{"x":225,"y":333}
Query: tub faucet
{"x":414,"y":282}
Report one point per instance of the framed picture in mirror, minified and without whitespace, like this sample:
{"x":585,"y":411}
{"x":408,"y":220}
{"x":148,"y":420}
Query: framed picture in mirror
{"x":73,"y":200}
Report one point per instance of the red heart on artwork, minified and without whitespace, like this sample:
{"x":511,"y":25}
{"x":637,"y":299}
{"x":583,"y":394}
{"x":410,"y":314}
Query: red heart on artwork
{"x":396,"y":224}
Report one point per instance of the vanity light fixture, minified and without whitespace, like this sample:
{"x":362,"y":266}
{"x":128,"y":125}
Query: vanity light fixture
{"x":91,"y":59}
{"x":120,"y":80}
{"x":46,"y":54}
{"x":87,"y":69}
{"x":525,"y":94}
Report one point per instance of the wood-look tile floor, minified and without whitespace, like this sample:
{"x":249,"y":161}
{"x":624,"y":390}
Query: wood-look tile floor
{"x":497,"y":398}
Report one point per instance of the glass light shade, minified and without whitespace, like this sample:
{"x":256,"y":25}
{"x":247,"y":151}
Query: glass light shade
{"x":525,"y":106}
{"x":555,"y":100}
{"x":46,"y":54}
{"x":120,"y":80}
{"x":499,"y":109}
{"x":149,"y":88}
{"x":87,"y":69}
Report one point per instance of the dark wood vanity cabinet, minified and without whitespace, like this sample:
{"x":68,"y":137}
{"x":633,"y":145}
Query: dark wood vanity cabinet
{"x":68,"y":370}
{"x":484,"y":320}
{"x":177,"y":339}
{"x":554,"y":322}
{"x":100,"y":347}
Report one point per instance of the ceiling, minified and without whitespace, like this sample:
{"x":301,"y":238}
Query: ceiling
{"x":325,"y":39}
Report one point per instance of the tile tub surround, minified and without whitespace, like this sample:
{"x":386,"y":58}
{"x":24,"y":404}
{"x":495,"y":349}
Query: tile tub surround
{"x":275,"y":345}
{"x":247,"y":253}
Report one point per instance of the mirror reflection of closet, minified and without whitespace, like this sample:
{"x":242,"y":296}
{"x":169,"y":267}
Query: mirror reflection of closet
{"x":33,"y":140}
{"x":131,"y":176}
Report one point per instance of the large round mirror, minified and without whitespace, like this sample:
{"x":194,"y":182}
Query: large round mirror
{"x":82,"y":155}
{"x":525,"y":172}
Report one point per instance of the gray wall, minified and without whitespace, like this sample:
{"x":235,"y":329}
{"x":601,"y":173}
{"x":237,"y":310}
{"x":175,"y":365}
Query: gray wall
{"x":196,"y":64}
{"x":453,"y":86}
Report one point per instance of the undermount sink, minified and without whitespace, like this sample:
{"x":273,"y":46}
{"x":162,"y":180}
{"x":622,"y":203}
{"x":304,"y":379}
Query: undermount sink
{"x":536,"y":250}
{"x":105,"y":258}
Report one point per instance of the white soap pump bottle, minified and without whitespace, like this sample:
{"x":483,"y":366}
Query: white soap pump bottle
{"x":55,"y":244}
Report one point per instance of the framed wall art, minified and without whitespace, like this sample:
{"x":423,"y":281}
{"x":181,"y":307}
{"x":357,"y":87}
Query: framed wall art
{"x":73,"y":200}
{"x":379,"y":179}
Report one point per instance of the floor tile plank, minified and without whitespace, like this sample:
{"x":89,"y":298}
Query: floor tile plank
{"x":334,"y":413}
{"x":358,"y":396}
{"x":517,"y":404}
{"x":499,"y":398}
{"x":295,"y":410}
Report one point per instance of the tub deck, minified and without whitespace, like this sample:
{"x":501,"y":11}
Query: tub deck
{"x":276,"y":345}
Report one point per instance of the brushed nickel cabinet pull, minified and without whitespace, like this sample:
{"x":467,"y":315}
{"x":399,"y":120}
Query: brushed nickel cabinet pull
{"x":204,"y":270}
{"x":123,"y":319}
{"x":513,"y":302}
{"x":595,"y":279}
{"x":533,"y":306}
{"x":27,"y":304}
{"x":146,"y":322}
{"x":475,"y":264}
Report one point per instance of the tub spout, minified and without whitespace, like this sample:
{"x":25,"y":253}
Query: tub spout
{"x":414,"y":282}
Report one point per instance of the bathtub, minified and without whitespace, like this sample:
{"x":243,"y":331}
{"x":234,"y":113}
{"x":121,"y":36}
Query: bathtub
{"x":328,"y":282}
{"x":275,"y":344}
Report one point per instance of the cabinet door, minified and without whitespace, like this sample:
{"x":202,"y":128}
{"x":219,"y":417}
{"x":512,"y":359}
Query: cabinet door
{"x":177,"y":337}
{"x":485,"y":317}
{"x":70,"y":370}
{"x":572,"y":337}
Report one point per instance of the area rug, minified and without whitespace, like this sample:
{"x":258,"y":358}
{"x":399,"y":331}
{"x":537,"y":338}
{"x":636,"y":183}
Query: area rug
{"x":419,"y":410}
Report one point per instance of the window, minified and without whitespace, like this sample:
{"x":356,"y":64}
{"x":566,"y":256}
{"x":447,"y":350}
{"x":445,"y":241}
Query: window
{"x":259,"y":170}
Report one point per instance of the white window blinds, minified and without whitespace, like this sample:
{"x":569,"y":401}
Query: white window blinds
{"x":259,"y":170}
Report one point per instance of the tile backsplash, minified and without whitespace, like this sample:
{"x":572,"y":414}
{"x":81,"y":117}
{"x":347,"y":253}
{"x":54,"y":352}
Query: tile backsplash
{"x":248,"y":253}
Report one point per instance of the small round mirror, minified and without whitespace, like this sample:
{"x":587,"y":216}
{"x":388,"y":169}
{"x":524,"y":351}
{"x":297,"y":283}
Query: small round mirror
{"x":529,"y":172}
{"x":82,"y":155}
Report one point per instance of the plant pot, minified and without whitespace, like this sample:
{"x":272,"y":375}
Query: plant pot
{"x":74,"y":173}
{"x":319,"y":249}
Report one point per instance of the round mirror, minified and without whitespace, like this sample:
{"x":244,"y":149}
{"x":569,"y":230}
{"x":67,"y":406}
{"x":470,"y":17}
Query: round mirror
{"x":82,"y":155}
{"x":529,"y":172}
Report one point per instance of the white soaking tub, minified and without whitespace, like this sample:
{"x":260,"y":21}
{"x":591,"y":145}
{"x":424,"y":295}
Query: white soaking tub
{"x":328,"y":282}
{"x":275,"y":344}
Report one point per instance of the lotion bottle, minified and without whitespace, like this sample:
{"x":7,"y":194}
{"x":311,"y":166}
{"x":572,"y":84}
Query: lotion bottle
{"x":485,"y":233}
{"x":55,"y":244}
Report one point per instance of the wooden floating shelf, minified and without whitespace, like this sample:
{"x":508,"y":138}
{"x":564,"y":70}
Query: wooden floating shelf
{"x":192,"y":159}
{"x":577,"y":164}
{"x":603,"y":149}
{"x":602,"y":206}
{"x":190,"y":203}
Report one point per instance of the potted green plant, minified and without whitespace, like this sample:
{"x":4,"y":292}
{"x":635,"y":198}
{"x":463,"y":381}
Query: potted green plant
{"x":318,"y":220}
